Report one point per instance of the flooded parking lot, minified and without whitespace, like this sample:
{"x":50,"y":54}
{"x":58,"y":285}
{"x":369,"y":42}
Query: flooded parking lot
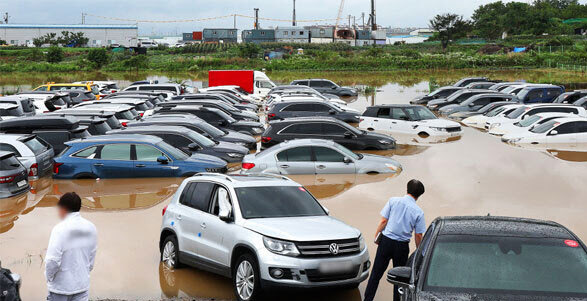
{"x":475,"y":174}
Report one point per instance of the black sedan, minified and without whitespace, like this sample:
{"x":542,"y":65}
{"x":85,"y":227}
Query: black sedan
{"x":494,"y":258}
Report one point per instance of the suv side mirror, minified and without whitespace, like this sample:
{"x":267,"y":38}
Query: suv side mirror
{"x":348,"y":135}
{"x":194,"y":147}
{"x":331,"y":112}
{"x":347,"y":160}
{"x":399,"y":276}
{"x":224,"y":207}
{"x":333,"y":88}
{"x":162,"y":160}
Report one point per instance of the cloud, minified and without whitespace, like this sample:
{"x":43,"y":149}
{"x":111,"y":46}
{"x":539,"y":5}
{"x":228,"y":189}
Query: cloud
{"x":395,"y":13}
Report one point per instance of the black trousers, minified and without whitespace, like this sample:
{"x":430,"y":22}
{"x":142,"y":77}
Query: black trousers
{"x":388,"y":249}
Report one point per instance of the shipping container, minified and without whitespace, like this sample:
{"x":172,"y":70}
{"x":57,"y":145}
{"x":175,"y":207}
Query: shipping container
{"x":197,"y":35}
{"x":187,"y":36}
{"x":322,"y":32}
{"x":292,"y":34}
{"x":363,"y":34}
{"x":220,"y":35}
{"x":258,"y":36}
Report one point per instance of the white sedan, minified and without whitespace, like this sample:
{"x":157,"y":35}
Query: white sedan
{"x":526,"y":124}
{"x":478,"y":121}
{"x":529,"y":110}
{"x":568,"y":133}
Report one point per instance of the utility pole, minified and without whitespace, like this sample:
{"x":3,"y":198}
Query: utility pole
{"x":83,"y":18}
{"x":363,"y":17}
{"x":293,"y":23}
{"x":6,"y":18}
{"x":372,"y":17}
{"x":234,"y":21}
{"x":350,"y":21}
{"x":256,"y":18}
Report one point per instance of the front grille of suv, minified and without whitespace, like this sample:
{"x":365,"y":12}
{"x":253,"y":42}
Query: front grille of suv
{"x":317,"y":276}
{"x":453,"y":129}
{"x":322,"y":248}
{"x":219,"y":170}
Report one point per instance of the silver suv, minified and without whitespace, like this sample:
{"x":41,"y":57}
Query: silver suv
{"x":262,"y":231}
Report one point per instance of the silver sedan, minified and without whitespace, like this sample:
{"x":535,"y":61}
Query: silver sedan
{"x":316,"y":156}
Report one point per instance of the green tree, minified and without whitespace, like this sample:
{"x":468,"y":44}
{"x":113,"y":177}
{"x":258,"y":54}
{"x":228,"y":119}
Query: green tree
{"x":248,"y":50}
{"x":54,"y":54}
{"x":136,"y":62}
{"x":450,"y":27}
{"x":98,"y":56}
{"x":3,"y":42}
{"x":75,"y":39}
{"x":489,"y":20}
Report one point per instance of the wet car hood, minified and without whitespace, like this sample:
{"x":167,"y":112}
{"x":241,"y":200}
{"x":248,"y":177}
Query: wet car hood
{"x":437,"y":101}
{"x":438,"y":122}
{"x":376,"y":159}
{"x":437,"y":296}
{"x":228,"y":147}
{"x":248,"y":123}
{"x":449,"y":108}
{"x":372,"y":135}
{"x":247,"y":114}
{"x":203,"y":158}
{"x":239,"y":136}
{"x":302,"y":228}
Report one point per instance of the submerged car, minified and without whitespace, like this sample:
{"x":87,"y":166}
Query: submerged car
{"x":475,"y":103}
{"x":529,"y":110}
{"x":316,"y":156}
{"x":455,"y":98}
{"x":325,"y":128}
{"x":526,"y":124}
{"x":485,"y":109}
{"x":494,"y":258}
{"x":34,"y":153}
{"x":309,"y":108}
{"x":479,"y":120}
{"x":129,"y":156}
{"x":442,"y":92}
{"x":235,"y":226}
{"x":569,"y":133}
{"x":408,"y":119}
{"x":326,"y":86}
{"x":13,"y":176}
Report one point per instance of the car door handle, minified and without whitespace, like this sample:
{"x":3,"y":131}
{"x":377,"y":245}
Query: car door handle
{"x":284,"y":166}
{"x":375,"y":120}
{"x":320,"y":166}
{"x":179,"y":216}
{"x":394,"y":122}
{"x":98,"y":164}
{"x":203,"y":225}
{"x":140,"y":165}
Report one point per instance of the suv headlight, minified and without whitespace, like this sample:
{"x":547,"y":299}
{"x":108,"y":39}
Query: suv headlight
{"x":235,"y":155}
{"x":384,"y":141}
{"x":494,"y":125}
{"x":280,"y":247}
{"x":438,"y":129}
{"x":361,"y":243}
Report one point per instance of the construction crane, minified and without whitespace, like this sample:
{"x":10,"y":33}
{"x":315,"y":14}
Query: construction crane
{"x":340,"y":8}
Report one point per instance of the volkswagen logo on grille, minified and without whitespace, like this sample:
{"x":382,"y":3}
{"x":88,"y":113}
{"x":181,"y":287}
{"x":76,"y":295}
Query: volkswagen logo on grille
{"x":333,"y":248}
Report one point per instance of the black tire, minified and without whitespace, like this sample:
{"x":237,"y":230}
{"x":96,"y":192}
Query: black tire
{"x":256,"y":294}
{"x":171,"y":239}
{"x":83,"y":176}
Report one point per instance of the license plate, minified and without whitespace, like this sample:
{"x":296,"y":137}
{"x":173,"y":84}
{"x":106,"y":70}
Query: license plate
{"x":335,"y":267}
{"x":455,"y":134}
{"x":21,"y":183}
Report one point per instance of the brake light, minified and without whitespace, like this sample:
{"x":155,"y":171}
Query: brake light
{"x":141,"y":114}
{"x":265,"y":139}
{"x":85,"y":99}
{"x":56,"y":166}
{"x":248,"y":165}
{"x":124,"y":124}
{"x":361,"y":119}
{"x":164,"y":209}
{"x":271,"y":115}
{"x":34,"y":171}
{"x":7,"y":179}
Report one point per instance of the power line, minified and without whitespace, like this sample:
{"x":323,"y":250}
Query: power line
{"x":204,"y":19}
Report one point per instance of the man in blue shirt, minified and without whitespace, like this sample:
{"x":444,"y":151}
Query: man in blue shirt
{"x":399,"y":218}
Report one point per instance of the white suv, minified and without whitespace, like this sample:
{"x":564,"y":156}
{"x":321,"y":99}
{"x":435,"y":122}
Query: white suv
{"x":262,"y":231}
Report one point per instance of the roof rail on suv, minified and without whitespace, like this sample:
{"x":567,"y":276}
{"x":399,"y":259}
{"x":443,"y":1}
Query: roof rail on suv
{"x":264,"y":175}
{"x":212,"y":174}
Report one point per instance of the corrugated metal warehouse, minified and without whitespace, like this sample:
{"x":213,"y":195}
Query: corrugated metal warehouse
{"x":98,"y":35}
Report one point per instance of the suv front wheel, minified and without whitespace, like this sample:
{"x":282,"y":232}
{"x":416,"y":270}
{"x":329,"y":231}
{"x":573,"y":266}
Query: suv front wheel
{"x":245,"y":277}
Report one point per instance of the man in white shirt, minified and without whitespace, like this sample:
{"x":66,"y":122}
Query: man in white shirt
{"x":71,"y":252}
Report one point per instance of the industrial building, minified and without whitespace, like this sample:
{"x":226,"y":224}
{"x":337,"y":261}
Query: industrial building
{"x":220,"y":35}
{"x":292,"y":35}
{"x":258,"y":36}
{"x":99,"y":35}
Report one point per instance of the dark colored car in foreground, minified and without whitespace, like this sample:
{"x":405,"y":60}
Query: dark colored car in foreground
{"x":13,"y":176}
{"x":494,"y":258}
{"x":189,"y":141}
{"x":199,"y":126}
{"x":129,"y":156}
{"x":324,"y":128}
{"x":308,"y":108}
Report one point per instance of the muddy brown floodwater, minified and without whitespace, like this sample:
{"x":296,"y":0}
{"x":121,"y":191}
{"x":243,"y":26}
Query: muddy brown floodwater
{"x":473,"y":175}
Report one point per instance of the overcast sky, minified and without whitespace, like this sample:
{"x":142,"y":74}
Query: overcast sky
{"x":395,"y":13}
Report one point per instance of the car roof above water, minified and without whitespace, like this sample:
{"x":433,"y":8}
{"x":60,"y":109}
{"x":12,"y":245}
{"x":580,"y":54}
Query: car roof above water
{"x":502,"y":226}
{"x":251,"y":180}
{"x":130,"y":138}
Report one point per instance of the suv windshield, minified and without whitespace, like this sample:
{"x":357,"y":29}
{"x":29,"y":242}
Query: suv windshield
{"x":545,"y":127}
{"x":538,"y":266}
{"x":9,"y":163}
{"x":176,"y":153}
{"x":200,"y":139}
{"x":420,"y":113}
{"x":277,"y":201}
{"x":517,"y":112}
{"x":211,"y":130}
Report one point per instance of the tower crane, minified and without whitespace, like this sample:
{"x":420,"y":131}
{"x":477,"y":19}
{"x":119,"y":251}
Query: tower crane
{"x":340,"y":8}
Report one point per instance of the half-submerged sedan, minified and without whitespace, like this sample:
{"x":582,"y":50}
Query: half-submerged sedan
{"x":129,"y":156}
{"x":569,"y":133}
{"x":494,"y":258}
{"x":316,"y":156}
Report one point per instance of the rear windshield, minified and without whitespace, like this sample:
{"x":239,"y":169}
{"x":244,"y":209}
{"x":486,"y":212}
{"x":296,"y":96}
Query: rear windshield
{"x":58,"y":101}
{"x":536,"y":266}
{"x":80,"y":134}
{"x":125,"y":115}
{"x":36,"y":145}
{"x":141,"y":107}
{"x":113,"y":122}
{"x":101,"y":128}
{"x":293,"y":201}
{"x":9,"y":163}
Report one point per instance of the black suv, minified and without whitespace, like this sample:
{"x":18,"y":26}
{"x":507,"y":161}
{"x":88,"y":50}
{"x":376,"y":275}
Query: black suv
{"x":456,"y":98}
{"x":324,"y":128}
{"x":189,"y":141}
{"x":110,"y":117}
{"x":199,"y":126}
{"x":234,"y":112}
{"x":494,"y":258}
{"x":326,"y":86}
{"x":225,"y":97}
{"x":442,"y":92}
{"x":308,"y":108}
{"x":216,"y":118}
{"x":570,"y":97}
{"x":55,"y":130}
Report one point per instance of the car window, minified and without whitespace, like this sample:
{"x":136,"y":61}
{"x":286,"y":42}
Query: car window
{"x":296,"y":154}
{"x":320,"y":84}
{"x":9,"y":163}
{"x":325,"y":154}
{"x":36,"y":145}
{"x":87,"y":153}
{"x":208,"y":116}
{"x":552,"y":93}
{"x":199,"y":196}
{"x":566,"y":128}
{"x":581,"y":126}
{"x":333,"y":129}
{"x":115,"y":152}
{"x":303,"y":128}
{"x":552,"y":110}
{"x":175,"y":140}
{"x":398,"y":114}
{"x":421,"y":252}
{"x":536,"y":93}
{"x":383,"y":112}
{"x":219,"y":194}
{"x":302,"y":107}
{"x":54,"y":138}
{"x":420,"y":113}
{"x":147,"y":153}
{"x":9,"y":148}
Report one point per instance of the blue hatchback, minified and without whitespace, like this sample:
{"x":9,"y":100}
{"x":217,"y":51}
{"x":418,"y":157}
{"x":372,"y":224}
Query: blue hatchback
{"x":129,"y":156}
